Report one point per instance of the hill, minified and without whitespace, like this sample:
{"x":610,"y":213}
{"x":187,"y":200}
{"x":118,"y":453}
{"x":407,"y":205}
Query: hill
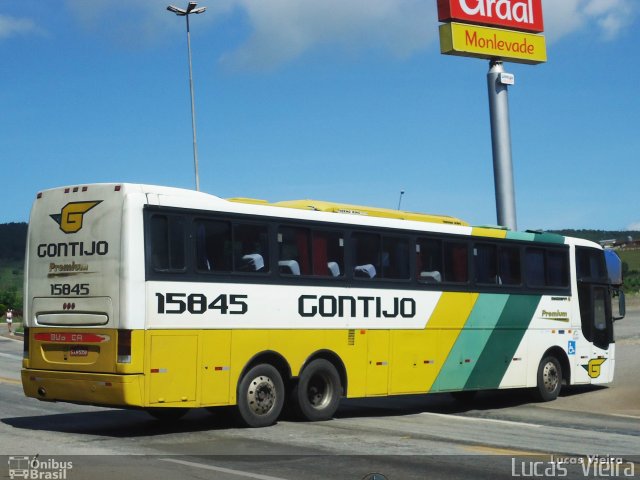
{"x":599,"y":235}
{"x":13,"y":239}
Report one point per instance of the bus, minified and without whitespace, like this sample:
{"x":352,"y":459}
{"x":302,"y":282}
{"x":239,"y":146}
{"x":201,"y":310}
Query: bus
{"x":167,"y":299}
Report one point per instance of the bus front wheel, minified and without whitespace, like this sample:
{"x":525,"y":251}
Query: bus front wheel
{"x":317,"y":394}
{"x":549,"y":379}
{"x":261,"y":396}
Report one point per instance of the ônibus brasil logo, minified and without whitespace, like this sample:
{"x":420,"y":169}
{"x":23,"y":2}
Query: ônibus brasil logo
{"x":72,"y":214}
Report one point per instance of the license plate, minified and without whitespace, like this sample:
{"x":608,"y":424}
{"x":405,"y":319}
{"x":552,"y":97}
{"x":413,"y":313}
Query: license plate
{"x":78,"y":351}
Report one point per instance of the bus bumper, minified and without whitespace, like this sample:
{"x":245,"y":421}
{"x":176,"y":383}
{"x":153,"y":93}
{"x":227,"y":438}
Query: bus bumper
{"x":78,"y":387}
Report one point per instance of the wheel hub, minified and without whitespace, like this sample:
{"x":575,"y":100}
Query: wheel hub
{"x":550,"y":377}
{"x":261,"y":396}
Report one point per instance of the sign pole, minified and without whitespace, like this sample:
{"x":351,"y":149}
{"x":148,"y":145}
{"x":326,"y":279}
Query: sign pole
{"x":498,"y":82}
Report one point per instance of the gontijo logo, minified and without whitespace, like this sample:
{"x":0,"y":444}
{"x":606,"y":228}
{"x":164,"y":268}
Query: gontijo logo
{"x":593,"y":367}
{"x":72,"y":214}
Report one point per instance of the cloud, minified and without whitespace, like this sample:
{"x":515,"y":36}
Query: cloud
{"x":285,"y":29}
{"x":609,"y":18}
{"x":634,"y":226}
{"x":11,"y":26}
{"x":274,"y":32}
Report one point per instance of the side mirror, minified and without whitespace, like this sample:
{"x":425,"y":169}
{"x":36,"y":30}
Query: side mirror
{"x":621,"y":304}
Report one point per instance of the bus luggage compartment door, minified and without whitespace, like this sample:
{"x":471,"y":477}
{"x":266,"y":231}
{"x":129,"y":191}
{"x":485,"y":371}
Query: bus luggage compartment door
{"x":173,"y":372}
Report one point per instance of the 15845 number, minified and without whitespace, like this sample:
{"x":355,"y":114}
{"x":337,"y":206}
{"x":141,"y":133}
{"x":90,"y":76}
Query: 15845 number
{"x":197,"y":303}
{"x":67,"y":289}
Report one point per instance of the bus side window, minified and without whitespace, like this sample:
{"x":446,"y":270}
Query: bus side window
{"x":167,"y":243}
{"x":557,"y":269}
{"x":213,"y":246}
{"x":395,"y":257}
{"x":250,"y":248}
{"x":534,"y":262}
{"x":429,"y":260}
{"x":509,"y":265}
{"x":456,"y":262}
{"x":365,"y":248}
{"x":546,"y":268}
{"x":328,"y":254}
{"x":486,"y":263}
{"x":293,"y":251}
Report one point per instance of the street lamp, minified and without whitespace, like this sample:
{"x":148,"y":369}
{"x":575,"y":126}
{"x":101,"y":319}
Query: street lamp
{"x":191,"y":8}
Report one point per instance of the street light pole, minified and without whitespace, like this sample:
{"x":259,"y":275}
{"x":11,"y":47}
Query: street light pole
{"x":191,"y":8}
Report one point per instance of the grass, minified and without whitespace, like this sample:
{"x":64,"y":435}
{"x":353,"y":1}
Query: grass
{"x":631,"y":258}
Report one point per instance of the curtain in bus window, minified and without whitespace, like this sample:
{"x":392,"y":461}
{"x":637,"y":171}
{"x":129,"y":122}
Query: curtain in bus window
{"x":534,"y":263}
{"x":320,"y":257}
{"x":456,"y":262}
{"x":302,"y":241}
{"x":509,"y":266}
{"x":486,"y":263}
{"x":557,"y":269}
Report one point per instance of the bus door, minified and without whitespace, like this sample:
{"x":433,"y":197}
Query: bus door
{"x":596,"y":357}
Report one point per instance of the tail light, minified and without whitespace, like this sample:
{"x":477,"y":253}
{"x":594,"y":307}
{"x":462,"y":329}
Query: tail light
{"x":124,"y":346}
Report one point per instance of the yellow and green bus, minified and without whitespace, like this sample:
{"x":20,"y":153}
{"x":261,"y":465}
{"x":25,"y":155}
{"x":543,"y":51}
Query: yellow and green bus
{"x":167,"y":299}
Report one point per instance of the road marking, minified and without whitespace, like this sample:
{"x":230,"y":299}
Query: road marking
{"x":12,"y":381}
{"x":479,"y":419}
{"x":623,"y":415}
{"x":10,"y":339}
{"x":239,"y":473}
{"x":504,"y":451}
{"x":11,"y":355}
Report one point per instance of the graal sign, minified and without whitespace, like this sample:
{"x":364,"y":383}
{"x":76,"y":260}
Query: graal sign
{"x":493,"y":29}
{"x":525,"y":15}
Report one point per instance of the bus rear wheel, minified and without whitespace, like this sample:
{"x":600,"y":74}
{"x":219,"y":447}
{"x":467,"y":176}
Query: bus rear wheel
{"x":318,"y":392}
{"x":549,"y":379}
{"x":261,"y":396}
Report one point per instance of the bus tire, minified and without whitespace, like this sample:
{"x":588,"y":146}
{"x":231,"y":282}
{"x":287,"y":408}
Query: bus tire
{"x":168,"y":414}
{"x":318,"y":391}
{"x":549,"y":379}
{"x":261,"y":396}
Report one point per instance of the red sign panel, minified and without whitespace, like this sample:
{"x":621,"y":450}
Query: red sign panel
{"x":523,"y":15}
{"x":68,"y":337}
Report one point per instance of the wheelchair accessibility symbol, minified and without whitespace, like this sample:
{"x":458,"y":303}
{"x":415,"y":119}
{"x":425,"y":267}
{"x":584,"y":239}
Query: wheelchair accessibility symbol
{"x":572,"y":347}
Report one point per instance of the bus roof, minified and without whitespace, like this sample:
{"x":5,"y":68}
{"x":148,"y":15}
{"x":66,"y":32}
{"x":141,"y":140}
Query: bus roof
{"x":323,"y":206}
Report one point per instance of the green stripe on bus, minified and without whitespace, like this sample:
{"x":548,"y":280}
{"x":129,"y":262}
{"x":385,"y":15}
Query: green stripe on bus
{"x":549,"y":238}
{"x":521,"y":236}
{"x":503,"y":342}
{"x":470,"y":343}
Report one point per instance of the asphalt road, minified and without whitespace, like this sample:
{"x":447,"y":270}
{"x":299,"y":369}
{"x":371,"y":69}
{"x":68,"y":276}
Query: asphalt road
{"x":501,"y":435}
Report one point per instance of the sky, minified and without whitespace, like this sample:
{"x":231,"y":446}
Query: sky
{"x":347,"y":101}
